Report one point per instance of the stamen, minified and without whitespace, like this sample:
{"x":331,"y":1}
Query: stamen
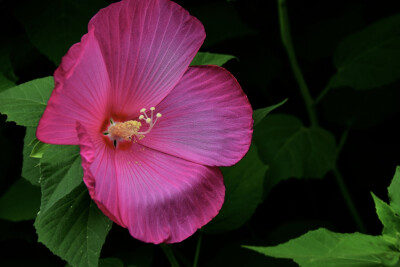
{"x":129,"y":130}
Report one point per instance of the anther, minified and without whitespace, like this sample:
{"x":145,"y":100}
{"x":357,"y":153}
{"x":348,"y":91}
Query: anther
{"x":148,"y":120}
{"x":142,"y":110}
{"x":158,"y":115}
{"x":141,"y":117}
{"x":152,"y":108}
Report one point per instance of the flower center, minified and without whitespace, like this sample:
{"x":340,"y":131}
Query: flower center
{"x":130,"y":130}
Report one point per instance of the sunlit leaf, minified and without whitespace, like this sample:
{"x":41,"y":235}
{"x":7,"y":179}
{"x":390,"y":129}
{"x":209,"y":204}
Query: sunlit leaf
{"x":388,"y":217}
{"x":206,"y":58}
{"x":324,"y":248}
{"x":259,"y":114}
{"x":53,"y":26}
{"x":369,"y":58}
{"x":74,"y":228}
{"x":20,"y":202}
{"x":30,"y":166}
{"x":25,"y":103}
{"x":293,"y":150}
{"x":244,"y":188}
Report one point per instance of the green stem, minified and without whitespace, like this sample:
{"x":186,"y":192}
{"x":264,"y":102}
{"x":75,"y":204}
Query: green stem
{"x":288,"y":44}
{"x":197,"y":254}
{"x":170,"y":255}
{"x":310,"y":105}
{"x":348,"y":200}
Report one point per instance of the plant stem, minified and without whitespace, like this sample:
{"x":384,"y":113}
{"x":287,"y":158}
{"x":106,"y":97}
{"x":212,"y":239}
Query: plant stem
{"x":170,"y":255}
{"x":349,"y":201}
{"x":288,"y":44}
{"x":197,"y":254}
{"x":310,"y":105}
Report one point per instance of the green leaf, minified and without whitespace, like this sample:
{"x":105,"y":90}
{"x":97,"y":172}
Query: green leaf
{"x":292,"y":150}
{"x":244,"y":188}
{"x":206,"y":58}
{"x":30,"y":166}
{"x":53,"y":26}
{"x":25,"y":103}
{"x":38,"y":149}
{"x":74,"y":228}
{"x":61,"y":173}
{"x":369,"y":58}
{"x":324,"y":248}
{"x":259,"y":114}
{"x":388,"y":217}
{"x":20,"y":203}
{"x":394,"y":191}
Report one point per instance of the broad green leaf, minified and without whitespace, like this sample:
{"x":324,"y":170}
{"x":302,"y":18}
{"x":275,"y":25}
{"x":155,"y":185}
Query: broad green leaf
{"x":394,"y":191}
{"x":53,"y":26}
{"x":221,"y":21}
{"x":244,"y":188}
{"x":292,"y":150}
{"x":74,"y":228}
{"x":259,"y":114}
{"x":20,"y":203}
{"x":369,"y":58}
{"x":388,"y":217}
{"x":30,"y":166}
{"x":61,"y":173}
{"x":206,"y":58}
{"x":38,"y":149}
{"x":25,"y":103}
{"x":325,"y":248}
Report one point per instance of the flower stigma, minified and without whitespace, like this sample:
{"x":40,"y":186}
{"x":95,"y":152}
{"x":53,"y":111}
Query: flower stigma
{"x":130,"y":130}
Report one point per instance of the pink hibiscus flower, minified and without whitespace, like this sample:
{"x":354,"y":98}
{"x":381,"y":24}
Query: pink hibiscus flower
{"x":154,"y":174}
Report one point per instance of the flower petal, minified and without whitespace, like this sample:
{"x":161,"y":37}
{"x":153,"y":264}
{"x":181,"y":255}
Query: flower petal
{"x":206,"y":119}
{"x":158,"y":197}
{"x":147,"y":46}
{"x":80,"y":94}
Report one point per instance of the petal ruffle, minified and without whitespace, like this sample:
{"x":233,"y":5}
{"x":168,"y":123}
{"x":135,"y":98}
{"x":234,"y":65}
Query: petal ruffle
{"x":206,"y":119}
{"x":147,"y":46}
{"x":80,"y":94}
{"x":158,"y":197}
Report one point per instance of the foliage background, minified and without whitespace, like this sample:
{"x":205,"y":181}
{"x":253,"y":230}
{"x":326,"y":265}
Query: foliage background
{"x":249,"y":30}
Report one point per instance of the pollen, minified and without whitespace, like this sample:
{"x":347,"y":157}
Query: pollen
{"x":124,"y":130}
{"x":130,"y":130}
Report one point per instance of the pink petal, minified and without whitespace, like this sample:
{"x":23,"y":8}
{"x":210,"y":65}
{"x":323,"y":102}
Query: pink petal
{"x":158,"y":197}
{"x":80,"y":94}
{"x":206,"y":119}
{"x":147,"y":46}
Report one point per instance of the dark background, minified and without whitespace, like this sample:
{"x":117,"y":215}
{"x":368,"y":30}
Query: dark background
{"x":249,"y":30}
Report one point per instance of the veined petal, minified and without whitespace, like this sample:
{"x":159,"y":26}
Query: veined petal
{"x":206,"y":119}
{"x":80,"y":94}
{"x":158,"y":197}
{"x":147,"y":46}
